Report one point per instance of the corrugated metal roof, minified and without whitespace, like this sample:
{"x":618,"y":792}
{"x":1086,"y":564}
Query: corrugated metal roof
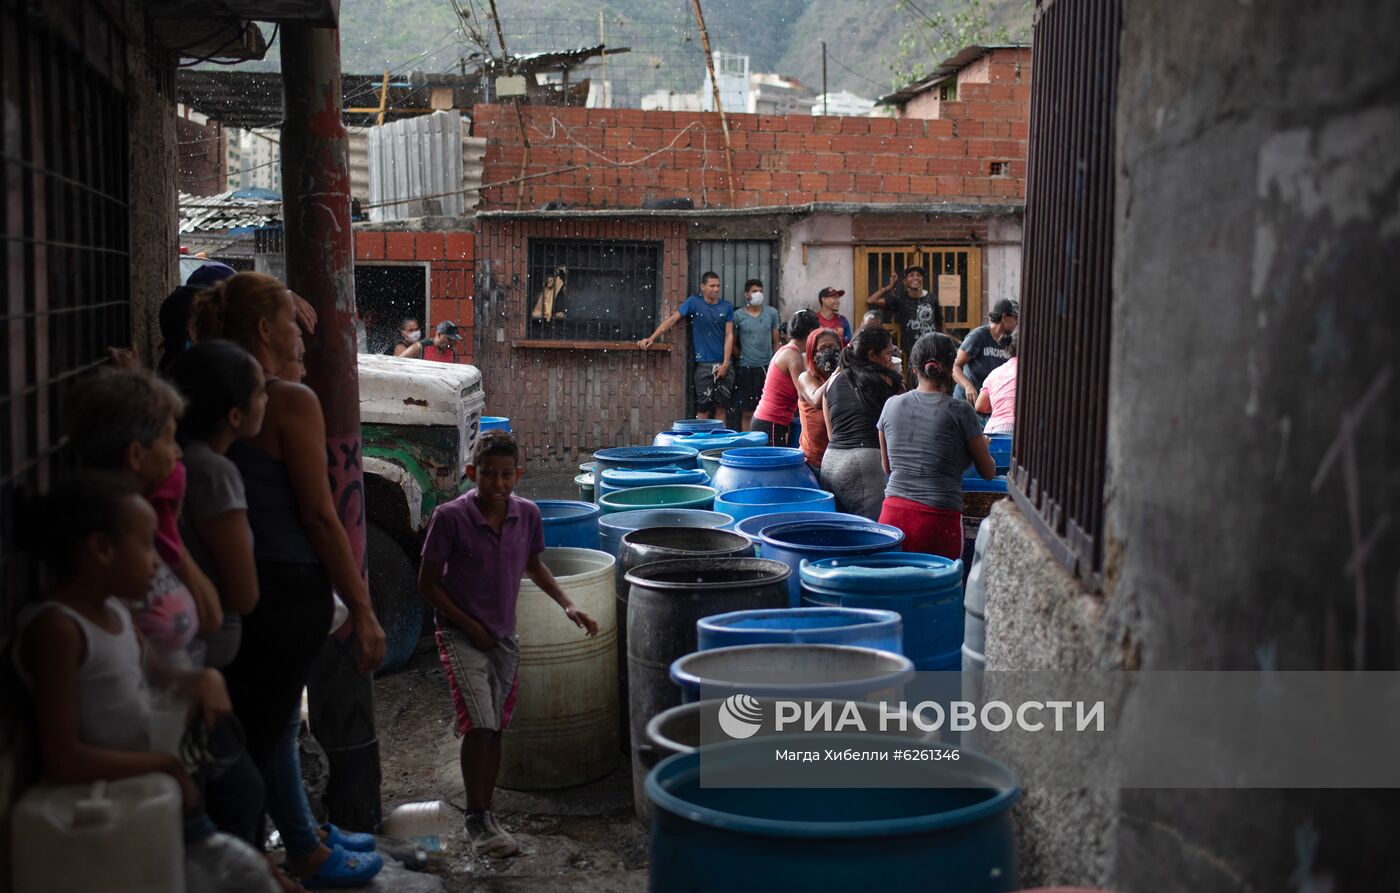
{"x":218,"y":213}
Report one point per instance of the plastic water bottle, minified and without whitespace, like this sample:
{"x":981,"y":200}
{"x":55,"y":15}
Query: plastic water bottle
{"x":423,"y":823}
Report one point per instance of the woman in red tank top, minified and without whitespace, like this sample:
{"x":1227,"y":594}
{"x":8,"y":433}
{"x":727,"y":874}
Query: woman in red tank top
{"x":778,"y":407}
{"x":823,"y":354}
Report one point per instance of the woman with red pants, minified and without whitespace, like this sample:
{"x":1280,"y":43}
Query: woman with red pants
{"x":927,"y":440}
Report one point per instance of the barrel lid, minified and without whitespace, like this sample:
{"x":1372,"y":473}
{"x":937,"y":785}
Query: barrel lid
{"x":755,"y":525}
{"x":885,"y":572}
{"x":637,"y":453}
{"x":761,"y":457}
{"x":817,"y":619}
{"x":683,"y":542}
{"x":975,"y":484}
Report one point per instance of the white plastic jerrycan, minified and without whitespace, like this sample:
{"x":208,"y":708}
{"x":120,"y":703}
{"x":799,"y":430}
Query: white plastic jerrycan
{"x":118,"y":837}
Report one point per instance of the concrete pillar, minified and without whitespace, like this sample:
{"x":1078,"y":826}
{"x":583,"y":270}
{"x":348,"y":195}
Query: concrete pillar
{"x":320,"y":268}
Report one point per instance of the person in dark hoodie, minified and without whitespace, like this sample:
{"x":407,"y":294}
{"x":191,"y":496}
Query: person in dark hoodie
{"x":175,"y":311}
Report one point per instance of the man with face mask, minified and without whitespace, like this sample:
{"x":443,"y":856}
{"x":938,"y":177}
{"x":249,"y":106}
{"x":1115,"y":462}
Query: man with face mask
{"x":756,"y":326}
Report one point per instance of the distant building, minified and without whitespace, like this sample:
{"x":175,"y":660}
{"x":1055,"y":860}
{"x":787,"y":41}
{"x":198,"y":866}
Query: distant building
{"x":973,"y":74}
{"x":843,"y":103}
{"x":741,"y":92}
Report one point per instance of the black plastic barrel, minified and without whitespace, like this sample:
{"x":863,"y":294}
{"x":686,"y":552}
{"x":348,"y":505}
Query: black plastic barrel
{"x":651,"y":544}
{"x":667,"y":599}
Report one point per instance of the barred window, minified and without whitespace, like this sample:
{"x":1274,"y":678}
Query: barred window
{"x":1059,"y":456}
{"x":581,"y":290}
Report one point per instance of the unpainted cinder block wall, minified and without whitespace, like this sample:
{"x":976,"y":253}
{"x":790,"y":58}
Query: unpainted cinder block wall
{"x":1254,"y":373}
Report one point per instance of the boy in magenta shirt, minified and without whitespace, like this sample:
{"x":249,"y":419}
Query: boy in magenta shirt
{"x":478,"y":548}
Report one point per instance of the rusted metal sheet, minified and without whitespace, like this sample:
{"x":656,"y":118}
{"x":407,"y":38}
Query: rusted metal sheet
{"x":1062,"y":401}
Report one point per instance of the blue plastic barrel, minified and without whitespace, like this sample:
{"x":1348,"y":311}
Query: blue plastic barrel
{"x":751,"y":527}
{"x":713,"y":440}
{"x":493,"y":423}
{"x":1000,"y":447}
{"x":690,"y":426}
{"x":669,"y":438}
{"x":793,"y":542}
{"x":741,"y":469}
{"x":976,"y":484}
{"x":955,"y":834}
{"x":611,"y":528}
{"x":793,"y":671}
{"x":642,"y":458}
{"x":615,"y":479}
{"x":741,"y":504}
{"x":882,"y":630}
{"x":926,"y":590}
{"x":568,"y":522}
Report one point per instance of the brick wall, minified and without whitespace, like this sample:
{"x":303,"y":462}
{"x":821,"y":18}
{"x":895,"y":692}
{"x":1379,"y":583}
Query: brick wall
{"x":619,"y":158}
{"x":563,"y":402}
{"x":991,"y":115}
{"x":451,"y":259}
{"x":201,"y":156}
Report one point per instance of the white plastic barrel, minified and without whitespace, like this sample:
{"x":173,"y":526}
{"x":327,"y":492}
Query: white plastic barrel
{"x":118,"y":837}
{"x":564,"y":730}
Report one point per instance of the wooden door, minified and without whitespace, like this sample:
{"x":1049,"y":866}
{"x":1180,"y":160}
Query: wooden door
{"x":875,"y":264}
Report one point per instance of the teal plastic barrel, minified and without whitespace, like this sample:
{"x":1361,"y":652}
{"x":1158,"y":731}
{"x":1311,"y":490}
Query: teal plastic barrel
{"x":615,"y":479}
{"x":925,"y":590}
{"x":611,"y":528}
{"x":709,"y":460}
{"x":676,"y":496}
{"x":642,"y":458}
{"x":882,"y":630}
{"x":955,"y":835}
{"x":795,"y":542}
{"x":741,"y":504}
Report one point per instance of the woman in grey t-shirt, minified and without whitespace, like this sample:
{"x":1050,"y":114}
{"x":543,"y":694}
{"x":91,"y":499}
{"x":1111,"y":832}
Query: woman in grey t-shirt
{"x":226,"y":396}
{"x":927,"y":440}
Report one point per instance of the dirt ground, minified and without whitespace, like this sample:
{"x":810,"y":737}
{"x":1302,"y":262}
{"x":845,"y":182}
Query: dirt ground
{"x":583,"y":839}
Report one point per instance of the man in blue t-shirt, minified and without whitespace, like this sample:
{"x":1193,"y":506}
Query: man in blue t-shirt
{"x":712,"y":324}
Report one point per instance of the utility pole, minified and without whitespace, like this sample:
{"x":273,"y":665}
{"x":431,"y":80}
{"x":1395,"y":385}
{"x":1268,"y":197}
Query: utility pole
{"x":719,"y":107}
{"x":604,"y":101}
{"x":320,"y":268}
{"x":519,"y":115}
{"x":824,"y":101}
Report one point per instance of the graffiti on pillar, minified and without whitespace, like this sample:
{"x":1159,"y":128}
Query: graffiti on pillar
{"x":348,"y":490}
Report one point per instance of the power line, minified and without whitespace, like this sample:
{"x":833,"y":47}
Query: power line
{"x":856,"y":73}
{"x":371,"y":86}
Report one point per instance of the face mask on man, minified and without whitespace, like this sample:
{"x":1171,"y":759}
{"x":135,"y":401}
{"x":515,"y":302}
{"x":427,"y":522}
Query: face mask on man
{"x":414,"y":337}
{"x":756,"y":298}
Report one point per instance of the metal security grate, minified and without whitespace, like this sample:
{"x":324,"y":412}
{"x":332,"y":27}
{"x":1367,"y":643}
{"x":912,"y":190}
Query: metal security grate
{"x":64,"y":264}
{"x":592,"y":290}
{"x":1062,"y":400}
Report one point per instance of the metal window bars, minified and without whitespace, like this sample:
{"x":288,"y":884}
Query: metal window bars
{"x":592,"y":290}
{"x":1059,"y":456}
{"x":65,"y":257}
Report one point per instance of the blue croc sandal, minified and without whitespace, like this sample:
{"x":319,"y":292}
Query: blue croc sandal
{"x":345,"y":869}
{"x":354,"y":841}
